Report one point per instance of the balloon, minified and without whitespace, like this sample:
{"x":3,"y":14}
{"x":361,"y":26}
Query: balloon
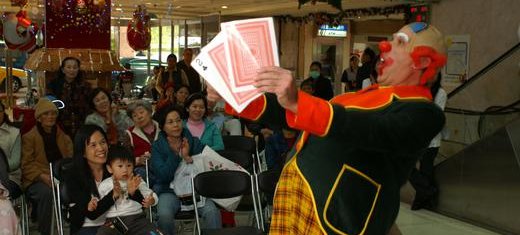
{"x":19,"y":31}
{"x":138,"y":33}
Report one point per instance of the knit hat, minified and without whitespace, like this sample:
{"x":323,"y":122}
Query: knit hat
{"x":44,"y":105}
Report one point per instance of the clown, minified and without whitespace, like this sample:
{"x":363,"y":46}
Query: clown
{"x":355,"y":151}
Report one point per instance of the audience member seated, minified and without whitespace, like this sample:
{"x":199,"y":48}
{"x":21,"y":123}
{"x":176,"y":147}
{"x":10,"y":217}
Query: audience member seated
{"x":174,"y":144}
{"x":131,"y":195}
{"x":208,"y":133}
{"x":167,"y":99}
{"x":87,"y":207}
{"x":228,"y":125}
{"x":10,"y":144}
{"x":44,"y":143}
{"x":141,"y":136}
{"x":113,"y":121}
{"x":181,"y":93}
{"x":8,"y":220}
{"x":70,"y":87}
{"x":307,"y":86}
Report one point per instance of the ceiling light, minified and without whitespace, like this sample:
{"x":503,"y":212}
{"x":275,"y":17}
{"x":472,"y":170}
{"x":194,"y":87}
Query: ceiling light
{"x":224,"y":7}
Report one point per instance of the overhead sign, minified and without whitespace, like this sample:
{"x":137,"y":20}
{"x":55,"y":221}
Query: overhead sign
{"x":332,"y":31}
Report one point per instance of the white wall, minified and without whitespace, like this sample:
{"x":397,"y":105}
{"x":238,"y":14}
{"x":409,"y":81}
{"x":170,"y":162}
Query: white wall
{"x":492,"y":26}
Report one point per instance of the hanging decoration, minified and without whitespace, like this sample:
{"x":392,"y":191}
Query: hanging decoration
{"x":138,"y":32}
{"x":77,"y":24}
{"x":334,"y":3}
{"x":336,"y":19}
{"x":18,"y":31}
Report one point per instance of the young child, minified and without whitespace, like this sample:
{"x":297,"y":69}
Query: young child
{"x":130,"y":194}
{"x":8,"y":219}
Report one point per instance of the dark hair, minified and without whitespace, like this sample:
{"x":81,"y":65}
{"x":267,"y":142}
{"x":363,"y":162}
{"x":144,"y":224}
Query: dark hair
{"x":81,"y":140}
{"x":307,"y":82}
{"x":370,"y":53}
{"x":156,"y":67}
{"x":6,"y":117}
{"x":61,"y":75}
{"x":171,"y":56}
{"x":180,"y":87}
{"x":93,"y":94}
{"x":117,"y":152}
{"x":56,"y":85}
{"x":160,"y":115}
{"x":317,"y":63}
{"x":192,"y":98}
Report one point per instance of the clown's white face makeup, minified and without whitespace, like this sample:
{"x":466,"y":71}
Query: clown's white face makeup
{"x":396,"y":66}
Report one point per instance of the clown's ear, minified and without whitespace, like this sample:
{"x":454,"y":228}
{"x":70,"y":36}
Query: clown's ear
{"x":422,"y":62}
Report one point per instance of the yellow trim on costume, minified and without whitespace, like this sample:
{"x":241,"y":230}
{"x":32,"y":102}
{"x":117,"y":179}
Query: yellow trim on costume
{"x":354,"y":170}
{"x":330,"y":120}
{"x":387,"y":102}
{"x":263,"y":109}
{"x":310,"y":192}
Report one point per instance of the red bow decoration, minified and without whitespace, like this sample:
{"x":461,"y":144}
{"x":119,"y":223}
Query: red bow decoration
{"x":138,"y":33}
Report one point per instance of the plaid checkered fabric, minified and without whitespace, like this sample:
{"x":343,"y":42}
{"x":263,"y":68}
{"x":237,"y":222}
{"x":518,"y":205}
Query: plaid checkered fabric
{"x":294,"y":211}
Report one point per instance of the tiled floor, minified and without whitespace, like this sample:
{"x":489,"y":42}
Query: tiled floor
{"x":424,"y":222}
{"x":420,"y":222}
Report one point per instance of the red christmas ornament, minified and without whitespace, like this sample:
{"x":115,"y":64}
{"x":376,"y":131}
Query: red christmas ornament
{"x":138,"y":33}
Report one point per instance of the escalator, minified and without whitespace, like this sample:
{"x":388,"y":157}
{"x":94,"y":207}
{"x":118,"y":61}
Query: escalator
{"x":479,"y":170}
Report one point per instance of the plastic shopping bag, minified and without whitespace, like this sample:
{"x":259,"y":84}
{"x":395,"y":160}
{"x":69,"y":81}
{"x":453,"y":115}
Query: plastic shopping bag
{"x":181,"y":183}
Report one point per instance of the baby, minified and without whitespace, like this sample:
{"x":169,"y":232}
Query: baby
{"x":130,"y":193}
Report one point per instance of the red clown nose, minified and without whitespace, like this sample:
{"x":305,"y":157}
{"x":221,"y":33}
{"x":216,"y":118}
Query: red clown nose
{"x":385,"y":46}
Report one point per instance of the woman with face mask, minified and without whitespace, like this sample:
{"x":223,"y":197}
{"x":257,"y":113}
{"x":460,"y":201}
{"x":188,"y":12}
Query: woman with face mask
{"x":322,"y":85}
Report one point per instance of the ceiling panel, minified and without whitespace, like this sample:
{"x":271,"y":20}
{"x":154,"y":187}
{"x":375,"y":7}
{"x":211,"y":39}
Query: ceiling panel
{"x":191,"y":9}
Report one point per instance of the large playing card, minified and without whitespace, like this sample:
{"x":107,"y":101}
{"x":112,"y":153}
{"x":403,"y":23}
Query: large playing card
{"x":212,"y":65}
{"x":250,"y":45}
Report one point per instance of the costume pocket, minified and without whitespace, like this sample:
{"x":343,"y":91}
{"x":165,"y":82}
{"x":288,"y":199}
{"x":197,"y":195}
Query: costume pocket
{"x":351,"y":201}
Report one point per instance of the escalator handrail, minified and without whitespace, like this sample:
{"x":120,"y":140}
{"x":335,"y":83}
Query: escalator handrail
{"x":483,"y":71}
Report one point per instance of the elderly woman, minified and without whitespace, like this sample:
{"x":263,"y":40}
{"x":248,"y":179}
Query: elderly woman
{"x":113,"y":121}
{"x":209,"y":134}
{"x":71,"y":88}
{"x":174,"y":144}
{"x":141,"y":136}
{"x":44,"y":143}
{"x":90,"y":154}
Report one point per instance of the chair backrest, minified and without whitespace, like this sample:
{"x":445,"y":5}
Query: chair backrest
{"x":267,"y":181}
{"x":237,"y":142}
{"x":222,"y":184}
{"x":239,"y":157}
{"x":62,"y":166}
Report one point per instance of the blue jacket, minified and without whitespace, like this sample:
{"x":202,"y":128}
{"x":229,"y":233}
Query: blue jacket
{"x":211,"y":136}
{"x":165,"y":161}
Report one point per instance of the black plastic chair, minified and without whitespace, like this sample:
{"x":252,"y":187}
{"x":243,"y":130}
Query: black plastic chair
{"x":239,"y":157}
{"x":60,"y":200}
{"x":243,"y":143}
{"x":224,"y":184}
{"x":266,"y":183}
